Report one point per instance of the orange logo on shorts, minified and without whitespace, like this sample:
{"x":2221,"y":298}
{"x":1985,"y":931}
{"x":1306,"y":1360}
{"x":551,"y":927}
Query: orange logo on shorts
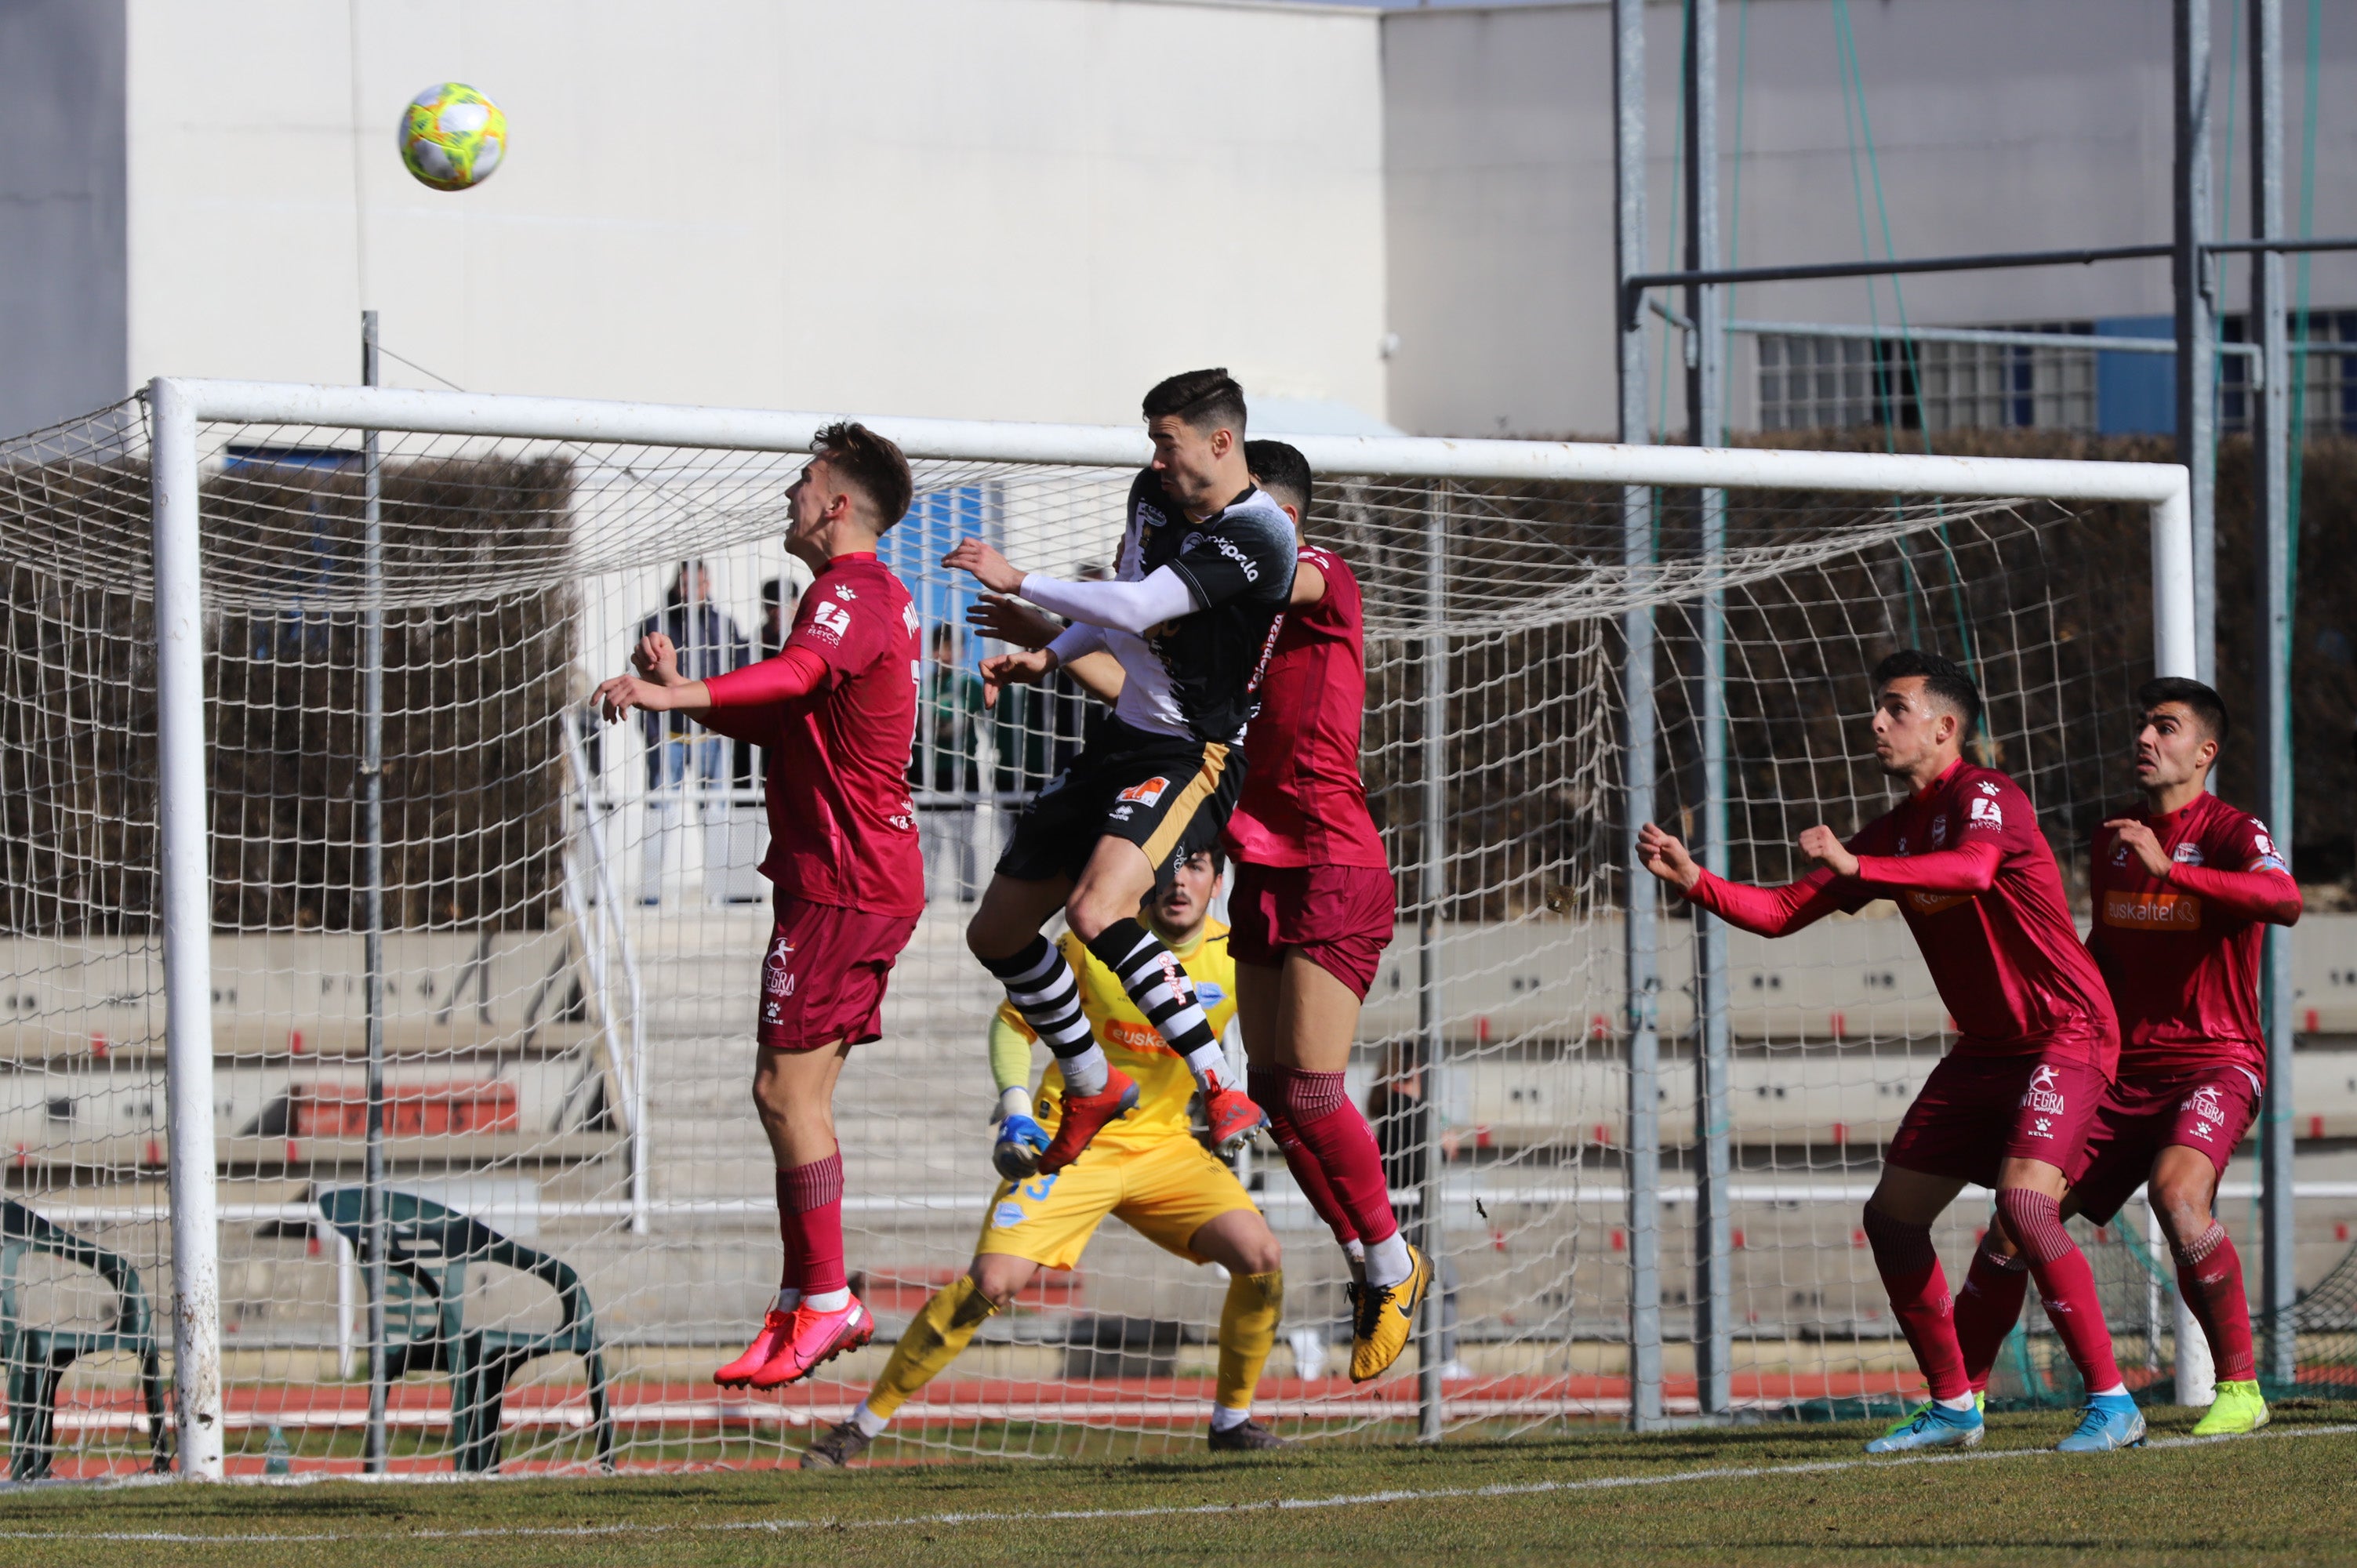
{"x":1145,"y":794}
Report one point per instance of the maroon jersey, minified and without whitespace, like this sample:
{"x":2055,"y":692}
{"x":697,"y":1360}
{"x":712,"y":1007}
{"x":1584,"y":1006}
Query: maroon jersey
{"x":2181,"y":955}
{"x":1977,"y":885}
{"x":842,"y":828}
{"x":1304,"y":803}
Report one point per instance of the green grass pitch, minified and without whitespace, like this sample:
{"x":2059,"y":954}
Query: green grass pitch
{"x":1779,"y":1493}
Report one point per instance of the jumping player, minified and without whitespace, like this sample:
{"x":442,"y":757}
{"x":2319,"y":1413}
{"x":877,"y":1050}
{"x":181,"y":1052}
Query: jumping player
{"x":1313,"y":906}
{"x":1147,"y":1170}
{"x":2182,"y":891}
{"x":837,"y":708}
{"x":2010,"y":1105}
{"x":1206,"y":564}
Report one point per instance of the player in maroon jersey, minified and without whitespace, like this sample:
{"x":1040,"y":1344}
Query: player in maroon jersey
{"x":2009,"y":1106}
{"x":1311,"y":912}
{"x":2181,"y":892}
{"x":837,"y":707}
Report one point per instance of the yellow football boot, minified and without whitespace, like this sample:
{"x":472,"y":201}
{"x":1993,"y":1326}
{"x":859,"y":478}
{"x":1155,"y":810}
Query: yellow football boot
{"x":1384,"y":1318}
{"x":2239,"y":1410}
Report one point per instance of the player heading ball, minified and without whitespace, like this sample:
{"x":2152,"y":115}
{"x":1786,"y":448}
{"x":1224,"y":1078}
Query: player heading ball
{"x":2010,"y":1104}
{"x":1206,"y":564}
{"x":837,"y":709}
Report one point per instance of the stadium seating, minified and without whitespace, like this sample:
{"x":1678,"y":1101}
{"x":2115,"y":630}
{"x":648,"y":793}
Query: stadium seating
{"x":37,"y":1359}
{"x":428,"y":1249}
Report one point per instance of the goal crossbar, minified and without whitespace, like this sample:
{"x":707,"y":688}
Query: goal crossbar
{"x":176,"y":406}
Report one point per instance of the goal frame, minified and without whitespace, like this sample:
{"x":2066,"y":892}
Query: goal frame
{"x":177,"y":406}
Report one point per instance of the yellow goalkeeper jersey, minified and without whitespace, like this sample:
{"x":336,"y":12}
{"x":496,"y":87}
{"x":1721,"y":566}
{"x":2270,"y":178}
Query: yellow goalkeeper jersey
{"x":1164,"y":1086}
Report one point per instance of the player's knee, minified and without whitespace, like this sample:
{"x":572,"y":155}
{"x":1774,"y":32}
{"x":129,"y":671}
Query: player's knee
{"x":1087,"y":919}
{"x":2182,"y":1207}
{"x":1261,"y":1254}
{"x":996,"y":1282}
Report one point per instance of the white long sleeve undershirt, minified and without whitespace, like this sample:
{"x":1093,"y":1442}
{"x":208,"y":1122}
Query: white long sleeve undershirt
{"x":1133,"y":608}
{"x":1076,"y":640}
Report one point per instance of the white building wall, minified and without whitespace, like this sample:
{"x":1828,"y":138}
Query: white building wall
{"x":1002,"y":209}
{"x":1998,"y":125}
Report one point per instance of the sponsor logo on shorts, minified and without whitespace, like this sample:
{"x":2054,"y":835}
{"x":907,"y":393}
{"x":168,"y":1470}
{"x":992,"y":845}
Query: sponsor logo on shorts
{"x":1006,"y":1216}
{"x":2045,"y":1094}
{"x":2208,"y":1110}
{"x":1147,"y":793}
{"x":777,"y":971}
{"x":2152,"y":911}
{"x":2042,"y":1128}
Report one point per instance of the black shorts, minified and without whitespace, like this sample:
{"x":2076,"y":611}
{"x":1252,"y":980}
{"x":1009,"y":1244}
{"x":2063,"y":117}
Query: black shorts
{"x":1169,"y":797}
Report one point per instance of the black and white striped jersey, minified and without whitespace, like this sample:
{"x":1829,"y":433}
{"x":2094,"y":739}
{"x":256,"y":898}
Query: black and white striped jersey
{"x":1192,"y":675}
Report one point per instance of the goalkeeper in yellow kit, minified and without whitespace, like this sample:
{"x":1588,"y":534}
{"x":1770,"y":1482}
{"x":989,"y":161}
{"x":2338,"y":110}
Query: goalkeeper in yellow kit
{"x":1145,"y":1169}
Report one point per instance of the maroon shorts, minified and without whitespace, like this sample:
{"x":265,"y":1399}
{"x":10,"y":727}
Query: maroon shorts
{"x":1974,"y":1113}
{"x":1340,"y":916}
{"x":823,"y":979}
{"x":2206,"y":1108}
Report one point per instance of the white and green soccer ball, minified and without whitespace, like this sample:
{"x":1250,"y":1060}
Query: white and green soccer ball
{"x":452,"y":136}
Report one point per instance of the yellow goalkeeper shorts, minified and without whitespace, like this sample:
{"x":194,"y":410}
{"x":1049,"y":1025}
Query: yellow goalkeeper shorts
{"x":1165,"y":1192}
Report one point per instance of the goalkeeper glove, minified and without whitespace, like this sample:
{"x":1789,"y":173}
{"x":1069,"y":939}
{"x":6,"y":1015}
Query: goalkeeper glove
{"x":1021,"y":1142}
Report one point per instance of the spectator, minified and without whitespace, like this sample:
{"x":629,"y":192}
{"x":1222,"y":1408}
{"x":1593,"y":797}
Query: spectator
{"x":685,"y":764}
{"x":946,"y":769}
{"x":1401,"y":1116}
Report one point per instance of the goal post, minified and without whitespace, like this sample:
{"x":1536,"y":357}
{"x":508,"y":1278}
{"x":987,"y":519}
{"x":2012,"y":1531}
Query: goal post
{"x":1484,"y":711}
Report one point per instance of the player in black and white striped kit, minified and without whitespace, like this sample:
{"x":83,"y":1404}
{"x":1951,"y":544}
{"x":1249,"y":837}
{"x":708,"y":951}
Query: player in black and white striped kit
{"x":1205,"y":568}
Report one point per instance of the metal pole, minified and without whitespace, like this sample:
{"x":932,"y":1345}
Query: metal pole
{"x":1433,"y":1041}
{"x":2270,"y":438}
{"x":1714,"y":1282}
{"x":181,"y":824}
{"x":2197,"y":321}
{"x":371,"y":781}
{"x":1641,"y":1139}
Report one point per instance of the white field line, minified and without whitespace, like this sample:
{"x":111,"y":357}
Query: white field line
{"x":1033,"y":1516}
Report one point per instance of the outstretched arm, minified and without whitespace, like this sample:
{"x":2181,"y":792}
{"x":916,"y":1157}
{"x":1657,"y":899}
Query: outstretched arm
{"x":1764,"y":911}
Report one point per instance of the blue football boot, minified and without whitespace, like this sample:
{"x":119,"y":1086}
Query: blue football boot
{"x":2109,"y":1421}
{"x":1931,"y":1427}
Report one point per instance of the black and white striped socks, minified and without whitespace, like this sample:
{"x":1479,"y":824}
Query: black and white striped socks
{"x":1045,"y":991}
{"x":1151,"y":974}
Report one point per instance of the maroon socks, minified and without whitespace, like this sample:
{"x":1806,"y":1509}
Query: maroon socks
{"x":1342,"y":1146}
{"x":1988,"y":1305}
{"x":1911,"y":1272}
{"x":810,"y":1216}
{"x":1267,"y":1088}
{"x":2065,"y":1283}
{"x":2210,"y":1277}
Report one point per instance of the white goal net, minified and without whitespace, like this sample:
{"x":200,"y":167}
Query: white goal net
{"x":573,"y":926}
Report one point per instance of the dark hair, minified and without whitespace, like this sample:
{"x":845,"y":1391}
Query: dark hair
{"x":1943,"y":680}
{"x":773,"y":592}
{"x":1208,"y":400}
{"x":1283,"y":472}
{"x":2208,"y":708}
{"x":870,"y":464}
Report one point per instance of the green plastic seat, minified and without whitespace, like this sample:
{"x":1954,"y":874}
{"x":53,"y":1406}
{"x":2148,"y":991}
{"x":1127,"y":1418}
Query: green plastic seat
{"x":37,"y":1359}
{"x":428,"y":1248}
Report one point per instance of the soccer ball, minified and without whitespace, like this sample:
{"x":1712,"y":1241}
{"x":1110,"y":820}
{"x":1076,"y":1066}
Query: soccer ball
{"x":452,"y":136}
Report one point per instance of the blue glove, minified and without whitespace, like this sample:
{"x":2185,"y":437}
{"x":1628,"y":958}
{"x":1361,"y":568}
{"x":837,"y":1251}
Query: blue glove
{"x":1021,"y":1142}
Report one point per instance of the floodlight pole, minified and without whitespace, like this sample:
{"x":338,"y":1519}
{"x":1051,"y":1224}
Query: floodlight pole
{"x":2271,"y":439}
{"x":2197,"y":321}
{"x":1640,"y":1141}
{"x":1714,"y":1293}
{"x":371,"y":891}
{"x":186,"y":870}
